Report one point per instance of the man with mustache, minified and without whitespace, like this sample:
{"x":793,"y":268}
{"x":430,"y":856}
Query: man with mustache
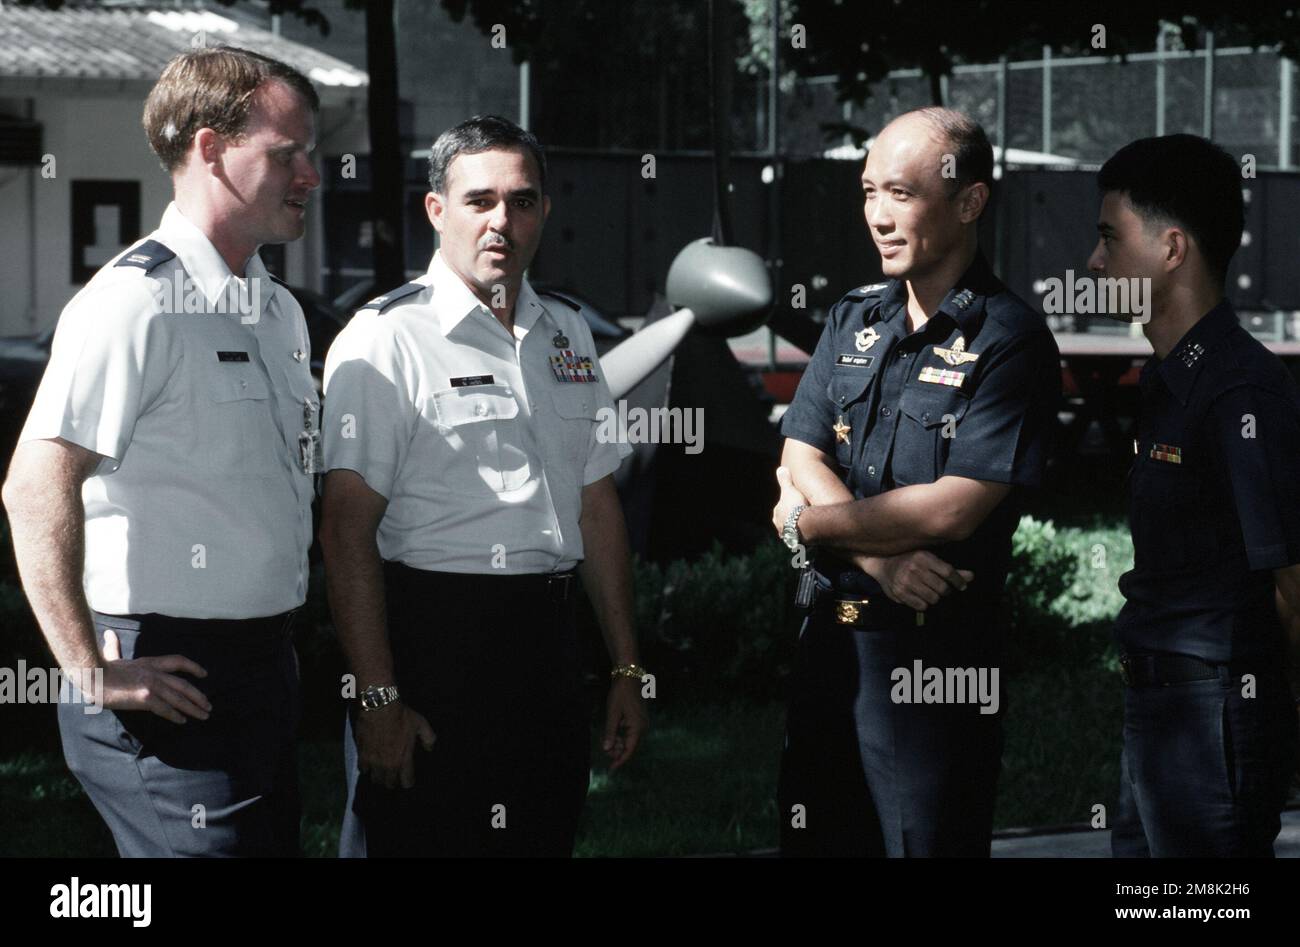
{"x":466,"y":482}
{"x":1214,"y":506}
{"x":160,"y":498}
{"x":923,"y":416}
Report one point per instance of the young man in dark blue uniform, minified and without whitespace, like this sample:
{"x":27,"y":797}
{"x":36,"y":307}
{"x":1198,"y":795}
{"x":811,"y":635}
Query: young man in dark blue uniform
{"x":1214,"y":506}
{"x":924,"y":413}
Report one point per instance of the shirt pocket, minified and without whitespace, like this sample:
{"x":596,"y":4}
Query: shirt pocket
{"x":1174,"y":526}
{"x":849,"y":392}
{"x":484,"y":438}
{"x":926,"y":428}
{"x":576,"y":406}
{"x":240,"y":437}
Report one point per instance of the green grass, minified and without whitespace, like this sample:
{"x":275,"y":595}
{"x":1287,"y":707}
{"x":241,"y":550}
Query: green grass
{"x":704,"y":780}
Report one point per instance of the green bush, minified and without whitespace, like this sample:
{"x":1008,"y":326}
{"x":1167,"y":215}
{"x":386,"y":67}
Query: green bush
{"x":720,"y":621}
{"x":1062,"y":593}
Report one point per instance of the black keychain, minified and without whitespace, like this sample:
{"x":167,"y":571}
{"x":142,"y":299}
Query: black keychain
{"x":806,"y":592}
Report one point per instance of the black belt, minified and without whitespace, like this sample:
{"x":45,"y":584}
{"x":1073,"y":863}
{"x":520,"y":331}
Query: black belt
{"x":266,"y":625}
{"x":1150,"y":669}
{"x":557,"y":586}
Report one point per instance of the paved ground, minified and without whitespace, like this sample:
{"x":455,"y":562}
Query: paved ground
{"x":1095,"y":843}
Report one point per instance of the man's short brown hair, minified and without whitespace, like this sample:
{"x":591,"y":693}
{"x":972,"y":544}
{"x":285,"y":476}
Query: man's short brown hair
{"x":211,"y":88}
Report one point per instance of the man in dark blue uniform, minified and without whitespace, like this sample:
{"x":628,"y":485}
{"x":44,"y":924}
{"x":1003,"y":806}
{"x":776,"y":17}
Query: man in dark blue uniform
{"x":924,"y":413}
{"x":1214,"y":506}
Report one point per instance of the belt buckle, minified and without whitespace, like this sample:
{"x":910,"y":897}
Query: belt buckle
{"x":559,"y":586}
{"x":847,"y":613}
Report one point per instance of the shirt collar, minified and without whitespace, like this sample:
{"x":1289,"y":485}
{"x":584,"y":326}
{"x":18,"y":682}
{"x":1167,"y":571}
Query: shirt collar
{"x":453,"y":300}
{"x":963,"y":304}
{"x":204,"y":265}
{"x":1180,"y":368}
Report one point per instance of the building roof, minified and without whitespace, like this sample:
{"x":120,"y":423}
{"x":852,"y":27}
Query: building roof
{"x":132,"y":42}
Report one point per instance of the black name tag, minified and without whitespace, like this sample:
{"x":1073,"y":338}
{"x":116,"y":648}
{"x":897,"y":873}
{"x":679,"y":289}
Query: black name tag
{"x":855,"y":361}
{"x":470,"y":381}
{"x":232,"y":356}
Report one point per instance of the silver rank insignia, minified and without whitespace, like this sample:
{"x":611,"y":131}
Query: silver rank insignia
{"x":866,"y":338}
{"x":957,"y":355}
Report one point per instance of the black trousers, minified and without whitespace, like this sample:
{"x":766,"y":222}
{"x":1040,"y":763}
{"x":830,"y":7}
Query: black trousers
{"x":872,"y":777}
{"x":225,"y":786}
{"x":1205,"y":770}
{"x":492,"y":663}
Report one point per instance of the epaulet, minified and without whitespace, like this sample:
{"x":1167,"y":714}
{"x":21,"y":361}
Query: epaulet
{"x":560,"y":297}
{"x":147,"y":255}
{"x":864,"y":292}
{"x":380,"y":303}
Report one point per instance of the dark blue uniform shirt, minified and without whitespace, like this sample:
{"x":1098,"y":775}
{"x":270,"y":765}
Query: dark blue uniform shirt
{"x":1214,"y":497}
{"x":985,"y":411}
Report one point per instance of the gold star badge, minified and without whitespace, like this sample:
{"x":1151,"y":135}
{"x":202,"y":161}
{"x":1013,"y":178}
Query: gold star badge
{"x":841,"y":430}
{"x":957,"y":355}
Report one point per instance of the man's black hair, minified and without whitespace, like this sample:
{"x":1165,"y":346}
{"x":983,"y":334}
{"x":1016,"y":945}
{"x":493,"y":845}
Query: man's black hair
{"x":1187,"y":181}
{"x":476,"y":135}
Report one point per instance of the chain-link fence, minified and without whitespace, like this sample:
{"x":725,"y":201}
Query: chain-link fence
{"x":1080,"y":108}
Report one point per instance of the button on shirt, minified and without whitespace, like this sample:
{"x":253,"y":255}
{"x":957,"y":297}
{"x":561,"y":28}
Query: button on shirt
{"x":186,"y":381}
{"x":480,"y":440}
{"x":972,"y":393}
{"x":1214,"y":497}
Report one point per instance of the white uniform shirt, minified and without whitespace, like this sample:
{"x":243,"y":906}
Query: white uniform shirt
{"x":201,"y":508}
{"x":478,"y":446}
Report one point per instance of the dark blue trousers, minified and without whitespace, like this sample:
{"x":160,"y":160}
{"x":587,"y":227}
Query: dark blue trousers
{"x":225,"y":786}
{"x":1205,"y":771}
{"x":879,"y":778}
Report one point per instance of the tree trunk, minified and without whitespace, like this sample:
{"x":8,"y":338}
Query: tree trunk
{"x":387,"y":164}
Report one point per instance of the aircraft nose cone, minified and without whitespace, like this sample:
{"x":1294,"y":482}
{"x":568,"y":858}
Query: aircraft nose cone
{"x":728,"y":288}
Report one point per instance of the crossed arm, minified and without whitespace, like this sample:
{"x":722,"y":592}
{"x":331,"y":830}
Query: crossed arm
{"x":885,"y":536}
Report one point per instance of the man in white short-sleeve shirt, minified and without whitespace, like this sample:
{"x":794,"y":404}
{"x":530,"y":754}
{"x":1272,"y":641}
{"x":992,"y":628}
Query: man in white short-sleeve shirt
{"x":160,"y":496}
{"x":466,"y":481}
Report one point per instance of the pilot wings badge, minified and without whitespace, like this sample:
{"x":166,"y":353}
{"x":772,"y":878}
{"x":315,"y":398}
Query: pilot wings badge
{"x":866,"y":338}
{"x":957,"y":355}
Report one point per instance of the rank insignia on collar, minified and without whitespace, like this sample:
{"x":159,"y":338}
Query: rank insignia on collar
{"x":841,"y":430}
{"x":941,"y":376}
{"x":963,"y":299}
{"x":957,"y":355}
{"x":568,"y":366}
{"x":866,"y":338}
{"x":560,"y":341}
{"x":1166,"y":452}
{"x":1191,"y":353}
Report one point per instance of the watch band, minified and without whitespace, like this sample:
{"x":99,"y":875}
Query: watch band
{"x":628,"y":670}
{"x":790,"y":532}
{"x":375,"y":697}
